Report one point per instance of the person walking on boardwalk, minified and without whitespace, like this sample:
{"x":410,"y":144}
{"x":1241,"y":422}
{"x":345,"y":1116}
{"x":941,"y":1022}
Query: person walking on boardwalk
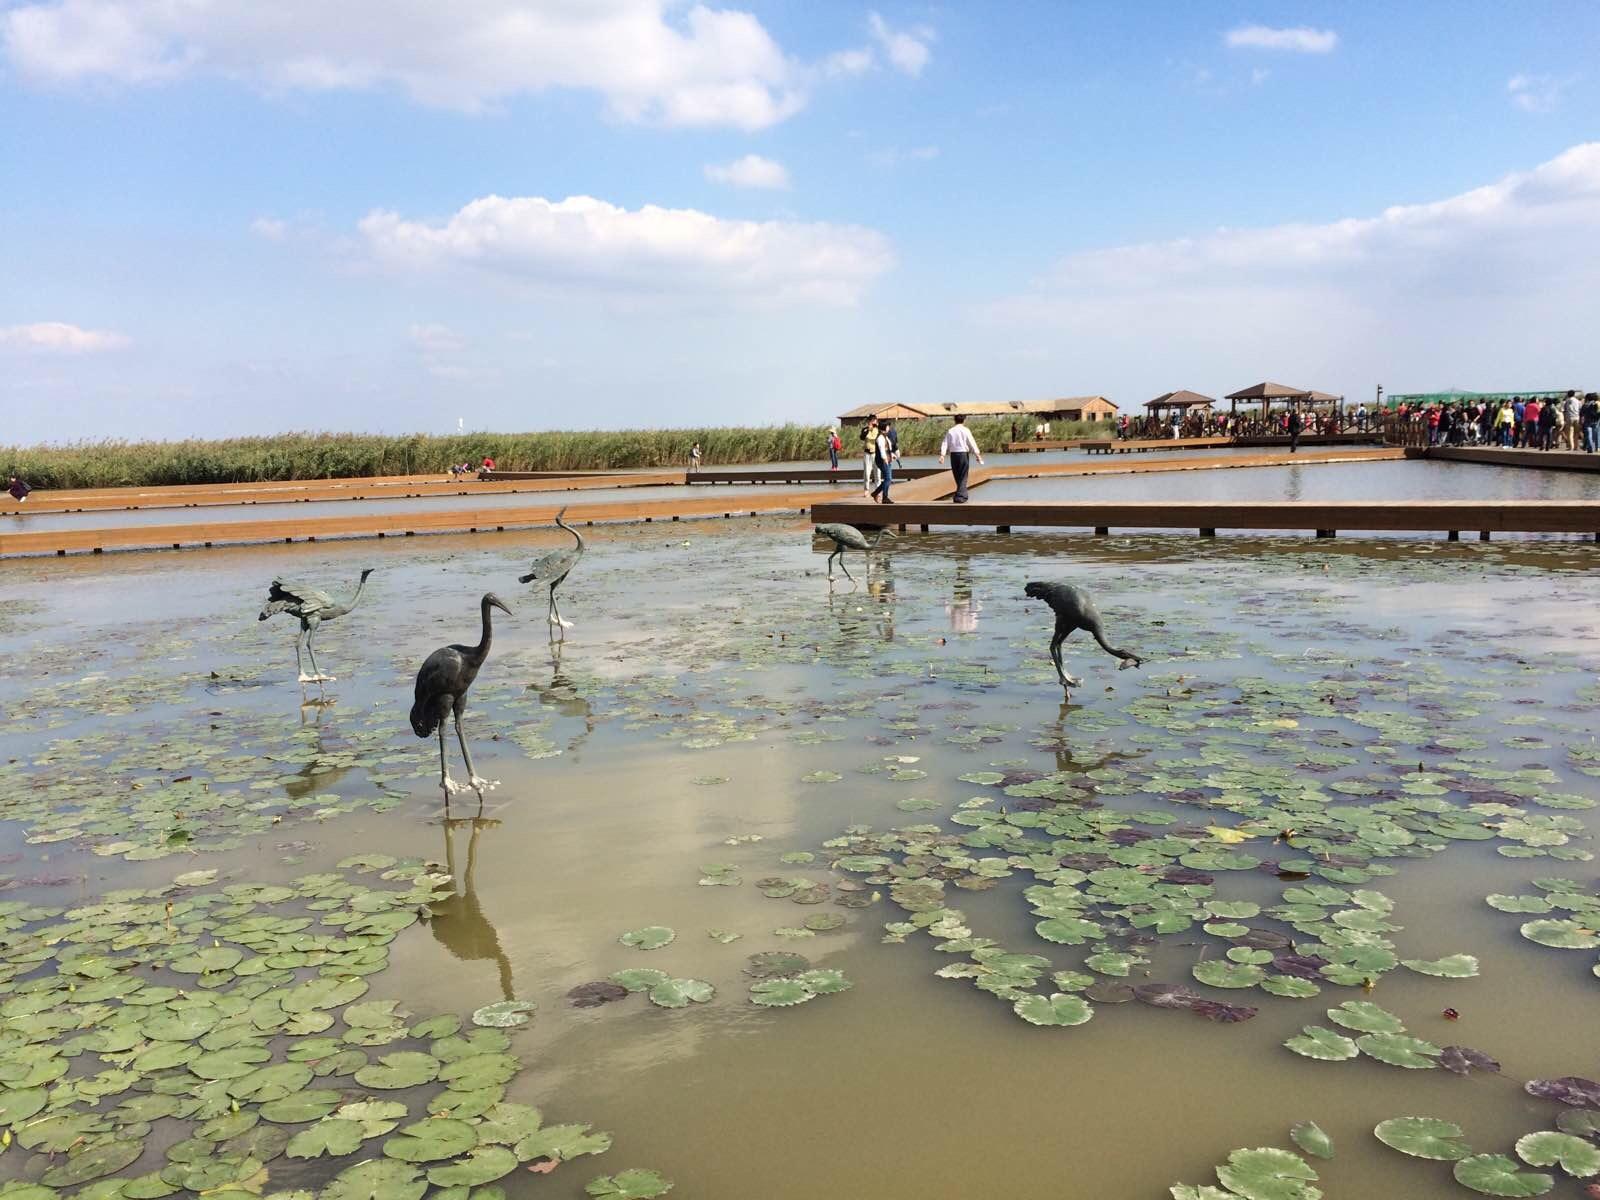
{"x":694,"y":458}
{"x":1571,"y":414}
{"x":1589,"y":417}
{"x":883,"y":463}
{"x":1549,"y":410}
{"x":1296,"y":424}
{"x":834,"y":446}
{"x":869,"y":457}
{"x":960,"y":446}
{"x":17,"y":488}
{"x":1505,"y":423}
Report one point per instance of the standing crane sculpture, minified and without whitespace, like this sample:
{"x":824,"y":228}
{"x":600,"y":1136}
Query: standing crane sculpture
{"x":1075,"y":610}
{"x":849,"y":537}
{"x":553,"y":568}
{"x":442,"y":685}
{"x":312,"y":607}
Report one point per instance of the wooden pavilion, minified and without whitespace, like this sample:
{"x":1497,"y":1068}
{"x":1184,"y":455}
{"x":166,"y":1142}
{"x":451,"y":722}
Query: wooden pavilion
{"x":1182,"y":401}
{"x":1064,"y":408}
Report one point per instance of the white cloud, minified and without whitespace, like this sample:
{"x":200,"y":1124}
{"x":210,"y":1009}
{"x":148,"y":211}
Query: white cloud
{"x":894,"y":156}
{"x":435,"y":339}
{"x":657,"y":61}
{"x":1301,"y":39}
{"x":644,"y":253}
{"x":57,"y":337}
{"x":270,"y":228}
{"x":908,"y":49}
{"x":1536,"y":93}
{"x":848,"y":62}
{"x":1494,"y":280}
{"x":751,"y":171}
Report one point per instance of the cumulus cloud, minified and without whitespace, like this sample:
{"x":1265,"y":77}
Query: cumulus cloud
{"x":1300,"y":39}
{"x":1491,"y":279}
{"x":652,"y":60}
{"x":907,"y":49}
{"x":435,"y":339}
{"x":57,"y":337}
{"x":751,"y":171}
{"x":271,"y":228}
{"x":581,"y":242}
{"x":1536,"y":93}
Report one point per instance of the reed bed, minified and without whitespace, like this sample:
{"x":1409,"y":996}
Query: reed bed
{"x":346,"y":455}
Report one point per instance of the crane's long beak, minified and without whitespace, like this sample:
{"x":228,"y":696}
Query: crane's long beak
{"x":501,"y":606}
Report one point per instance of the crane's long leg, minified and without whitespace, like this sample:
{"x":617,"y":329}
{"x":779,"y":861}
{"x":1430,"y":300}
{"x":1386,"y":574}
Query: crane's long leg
{"x":473,"y":779}
{"x":311,"y":650}
{"x":844,"y":568}
{"x":449,"y":785}
{"x":299,"y":660}
{"x":555,"y":609}
{"x":1067,"y":681}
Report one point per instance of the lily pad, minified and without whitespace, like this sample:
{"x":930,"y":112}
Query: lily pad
{"x":1453,"y":966}
{"x":1308,"y":1135}
{"x":680,"y":993}
{"x":780,"y":993}
{"x":332,"y":1136}
{"x":651,"y":937}
{"x":91,"y":1162}
{"x":402,"y":1069}
{"x":432,"y":1140}
{"x":1317,"y":1042}
{"x":1497,"y":1175}
{"x":639,"y":979}
{"x":1365,"y":1017}
{"x":1059,"y":1008}
{"x":592,"y":995}
{"x":1561,"y":934}
{"x":483,"y":1165}
{"x":771,"y":964}
{"x":1268,"y":1173}
{"x":1548,"y":1148}
{"x":504,"y":1013}
{"x":635,"y":1183}
{"x":1399,"y":1050}
{"x":377,"y":1179}
{"x":1423,"y":1137}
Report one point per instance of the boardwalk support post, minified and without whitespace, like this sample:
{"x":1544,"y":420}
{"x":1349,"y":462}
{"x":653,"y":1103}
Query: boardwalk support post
{"x":1454,"y":536}
{"x":1208,"y":533}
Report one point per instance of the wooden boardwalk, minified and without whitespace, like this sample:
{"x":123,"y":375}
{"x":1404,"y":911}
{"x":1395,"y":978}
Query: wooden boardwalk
{"x":1146,"y":445}
{"x":1323,"y":518}
{"x":1549,"y":460}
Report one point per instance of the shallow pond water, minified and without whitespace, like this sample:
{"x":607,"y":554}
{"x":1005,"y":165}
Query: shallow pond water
{"x":724,"y":744}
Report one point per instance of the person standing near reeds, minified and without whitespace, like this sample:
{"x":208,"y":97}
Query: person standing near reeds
{"x":869,"y":457}
{"x":883,"y":463}
{"x":960,"y":446}
{"x":694,"y":458}
{"x":834,"y":446}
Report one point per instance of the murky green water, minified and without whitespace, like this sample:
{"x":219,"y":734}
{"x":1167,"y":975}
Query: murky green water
{"x":717,"y":707}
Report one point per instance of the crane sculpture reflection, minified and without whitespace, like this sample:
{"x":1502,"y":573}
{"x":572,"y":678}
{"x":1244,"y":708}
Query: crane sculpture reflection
{"x":312,"y":607}
{"x":1075,"y":610}
{"x":849,"y":537}
{"x":553,"y":568}
{"x":442,"y":685}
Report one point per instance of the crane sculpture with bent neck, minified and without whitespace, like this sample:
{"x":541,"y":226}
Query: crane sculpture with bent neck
{"x":441,"y":692}
{"x":312,"y":607}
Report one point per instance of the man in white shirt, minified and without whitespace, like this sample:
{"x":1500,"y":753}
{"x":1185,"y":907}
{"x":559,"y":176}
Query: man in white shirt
{"x":960,"y":446}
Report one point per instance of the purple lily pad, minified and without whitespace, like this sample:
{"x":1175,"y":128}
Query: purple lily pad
{"x":1263,"y":939}
{"x":1572,"y":1090}
{"x":1167,"y":995}
{"x":1187,"y":875}
{"x":1109,"y":991}
{"x":593,"y":995}
{"x":1463,"y":1060}
{"x":1226,"y":1014}
{"x":1300,"y":966}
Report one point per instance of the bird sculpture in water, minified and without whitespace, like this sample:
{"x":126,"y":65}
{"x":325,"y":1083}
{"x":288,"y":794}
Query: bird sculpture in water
{"x":553,"y":568}
{"x":442,"y":692}
{"x":312,"y":607}
{"x":849,"y":537}
{"x":1074,"y":610}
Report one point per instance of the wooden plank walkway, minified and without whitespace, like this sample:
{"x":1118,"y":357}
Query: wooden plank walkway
{"x":1028,"y":444}
{"x":1324,"y":518}
{"x":1146,"y":445}
{"x":1550,"y":460}
{"x":807,"y":474}
{"x":405,"y":487}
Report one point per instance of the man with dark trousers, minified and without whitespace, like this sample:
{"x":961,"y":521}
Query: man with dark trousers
{"x":960,"y":446}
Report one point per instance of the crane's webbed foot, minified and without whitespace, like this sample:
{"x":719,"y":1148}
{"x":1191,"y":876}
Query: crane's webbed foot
{"x":1068,"y":681}
{"x":562,"y":622}
{"x":450,"y":786}
{"x":320,"y":678}
{"x":304,"y":678}
{"x":480,"y":784}
{"x":1130,"y":662}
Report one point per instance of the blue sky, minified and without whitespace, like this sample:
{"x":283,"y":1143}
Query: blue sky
{"x":390,"y":214}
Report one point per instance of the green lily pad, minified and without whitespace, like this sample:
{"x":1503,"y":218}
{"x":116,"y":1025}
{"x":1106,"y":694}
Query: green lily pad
{"x":635,"y":1183}
{"x":1320,"y":1043}
{"x":1399,"y":1050}
{"x":1453,"y":966}
{"x":322,"y":993}
{"x":504,"y":1013}
{"x":1423,"y":1137}
{"x":824,"y":982}
{"x":402,"y":1069}
{"x":1365,"y":1017}
{"x":332,"y":1136}
{"x":1497,"y":1175}
{"x":483,"y":1165}
{"x":376,"y":1117}
{"x":1308,"y":1135}
{"x":1059,"y":1008}
{"x":1548,"y":1148}
{"x":651,"y":937}
{"x":680,"y":993}
{"x":780,"y":993}
{"x":562,"y":1142}
{"x":1291,"y":986}
{"x":1268,"y":1173}
{"x":431,"y":1140}
{"x":310,"y":1105}
{"x":639,"y":979}
{"x":1222,"y":974}
{"x":1561,"y":934}
{"x":91,"y":1162}
{"x":377,"y":1179}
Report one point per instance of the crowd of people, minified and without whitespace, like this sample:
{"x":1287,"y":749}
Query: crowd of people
{"x":1547,"y":422}
{"x":1204,"y":422}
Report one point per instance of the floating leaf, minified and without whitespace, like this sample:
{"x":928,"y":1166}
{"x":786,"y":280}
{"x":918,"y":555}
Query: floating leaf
{"x":1454,"y":966}
{"x":561,"y":1142}
{"x":402,"y":1069}
{"x":770,"y":964}
{"x":1218,"y":973}
{"x":824,"y":982}
{"x":376,"y":1179}
{"x":1059,"y":1008}
{"x":635,"y":1183}
{"x":1561,"y":934}
{"x":504,"y":1013}
{"x":1570,"y":1090}
{"x":1317,"y":1042}
{"x":1462,"y":1060}
{"x":333,"y":1137}
{"x":601,"y":991}
{"x":680,"y":993}
{"x":483,"y":1165}
{"x":91,"y":1162}
{"x":1365,"y":1017}
{"x":1548,"y":1148}
{"x":780,"y":993}
{"x":1268,"y":1173}
{"x":1308,"y":1135}
{"x":431,"y":1140}
{"x":651,"y":937}
{"x":1423,"y":1137}
{"x":1399,"y":1050}
{"x":639,"y":979}
{"x":1497,"y":1175}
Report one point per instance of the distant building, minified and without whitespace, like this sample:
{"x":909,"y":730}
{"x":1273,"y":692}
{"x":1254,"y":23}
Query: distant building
{"x":1067,"y":408}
